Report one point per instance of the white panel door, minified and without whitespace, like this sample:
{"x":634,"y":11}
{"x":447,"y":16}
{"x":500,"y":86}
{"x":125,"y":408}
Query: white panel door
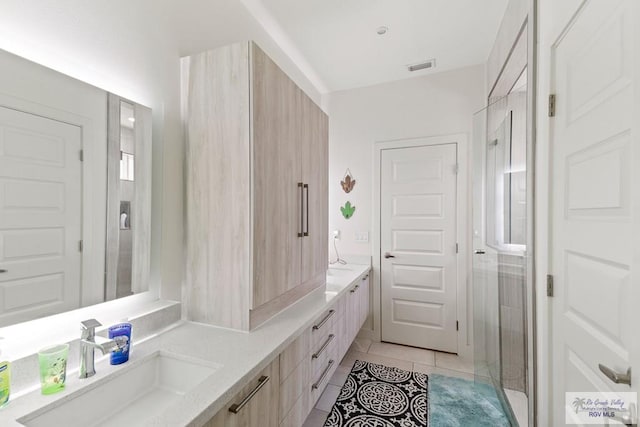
{"x":40,"y":216}
{"x":418,"y":246}
{"x":595,"y":221}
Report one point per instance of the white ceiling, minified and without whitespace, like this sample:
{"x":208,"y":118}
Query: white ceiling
{"x":336,"y":40}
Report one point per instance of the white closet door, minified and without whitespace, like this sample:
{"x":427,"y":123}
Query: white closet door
{"x":418,"y":246}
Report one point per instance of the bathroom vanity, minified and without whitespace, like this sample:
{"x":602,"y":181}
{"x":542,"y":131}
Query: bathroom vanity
{"x":190,"y":374}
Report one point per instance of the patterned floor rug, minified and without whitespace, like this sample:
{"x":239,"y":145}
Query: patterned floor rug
{"x":380,"y":396}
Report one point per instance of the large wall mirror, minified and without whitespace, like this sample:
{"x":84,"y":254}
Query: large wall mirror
{"x":75,"y":193}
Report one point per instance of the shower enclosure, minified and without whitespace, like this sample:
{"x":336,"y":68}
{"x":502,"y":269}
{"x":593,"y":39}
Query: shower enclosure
{"x":500,"y":263}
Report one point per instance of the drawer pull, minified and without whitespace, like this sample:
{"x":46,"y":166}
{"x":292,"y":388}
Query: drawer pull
{"x":355,"y":288}
{"x":324,"y":347}
{"x":324,"y":374}
{"x":324,"y":320}
{"x":237,"y":407}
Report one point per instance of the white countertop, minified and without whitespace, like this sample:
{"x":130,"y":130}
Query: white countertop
{"x":242,"y":356}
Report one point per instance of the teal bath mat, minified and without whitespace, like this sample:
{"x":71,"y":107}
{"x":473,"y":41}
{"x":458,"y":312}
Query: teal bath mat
{"x":456,"y":402}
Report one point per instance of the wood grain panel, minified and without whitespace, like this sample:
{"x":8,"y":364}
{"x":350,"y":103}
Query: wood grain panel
{"x":262,"y":409}
{"x":293,"y":387}
{"x":215,"y":88}
{"x":315,"y":155}
{"x":276,"y":173}
{"x":294,"y":354}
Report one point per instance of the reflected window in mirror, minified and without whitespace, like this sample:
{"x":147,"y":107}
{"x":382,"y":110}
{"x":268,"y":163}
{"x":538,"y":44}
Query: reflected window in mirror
{"x":506,"y":173}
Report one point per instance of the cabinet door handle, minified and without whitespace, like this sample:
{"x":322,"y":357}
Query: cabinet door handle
{"x":324,"y":347}
{"x":324,"y":320}
{"x":306,"y":232}
{"x":301,"y":187}
{"x":324,"y":374}
{"x":237,"y":407}
{"x":2,"y":270}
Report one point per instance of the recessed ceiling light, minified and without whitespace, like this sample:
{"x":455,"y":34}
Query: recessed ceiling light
{"x":382,"y":30}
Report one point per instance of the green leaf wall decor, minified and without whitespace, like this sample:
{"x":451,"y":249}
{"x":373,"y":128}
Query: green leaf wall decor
{"x":347,"y":210}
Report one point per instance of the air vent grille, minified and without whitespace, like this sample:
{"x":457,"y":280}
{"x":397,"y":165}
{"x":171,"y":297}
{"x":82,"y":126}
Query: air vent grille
{"x":422,"y":65}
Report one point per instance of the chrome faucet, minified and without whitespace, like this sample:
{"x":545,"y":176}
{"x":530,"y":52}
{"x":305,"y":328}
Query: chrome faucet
{"x":89,"y":342}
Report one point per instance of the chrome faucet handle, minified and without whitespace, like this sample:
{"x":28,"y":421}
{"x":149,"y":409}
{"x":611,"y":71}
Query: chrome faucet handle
{"x":89,"y":327}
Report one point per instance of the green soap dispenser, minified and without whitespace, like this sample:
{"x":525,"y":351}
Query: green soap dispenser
{"x":5,"y":380}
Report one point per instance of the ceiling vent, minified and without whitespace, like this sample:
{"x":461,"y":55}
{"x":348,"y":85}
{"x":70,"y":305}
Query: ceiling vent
{"x":422,"y":65}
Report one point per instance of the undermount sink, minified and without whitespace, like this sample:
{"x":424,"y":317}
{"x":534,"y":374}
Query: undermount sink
{"x":337,"y":272}
{"x":333,"y":287}
{"x":128,"y":397}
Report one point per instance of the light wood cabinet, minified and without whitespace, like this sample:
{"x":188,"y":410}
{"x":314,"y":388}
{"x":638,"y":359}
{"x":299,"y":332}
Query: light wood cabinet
{"x":257,"y":188}
{"x":256,"y":405}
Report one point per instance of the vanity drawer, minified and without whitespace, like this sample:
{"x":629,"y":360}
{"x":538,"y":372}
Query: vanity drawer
{"x":294,"y":387}
{"x":256,"y":405}
{"x":325,"y":369}
{"x":300,"y":410}
{"x":322,"y":327}
{"x":323,"y":346}
{"x":291,"y":357}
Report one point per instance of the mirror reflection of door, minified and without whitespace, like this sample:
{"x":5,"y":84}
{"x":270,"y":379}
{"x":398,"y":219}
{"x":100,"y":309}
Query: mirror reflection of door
{"x":40,"y":216}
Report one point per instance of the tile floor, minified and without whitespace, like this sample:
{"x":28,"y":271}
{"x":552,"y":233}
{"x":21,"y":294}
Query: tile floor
{"x":409,"y":358}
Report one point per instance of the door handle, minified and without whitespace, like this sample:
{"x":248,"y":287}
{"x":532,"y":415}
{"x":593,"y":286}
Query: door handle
{"x":388,"y":255}
{"x":2,"y":270}
{"x":615,"y":376}
{"x":300,"y":186}
{"x":306,"y":232}
{"x":479,"y":252}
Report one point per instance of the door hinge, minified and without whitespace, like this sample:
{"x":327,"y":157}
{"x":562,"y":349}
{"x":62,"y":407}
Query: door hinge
{"x":81,"y":155}
{"x":80,"y":246}
{"x":457,"y":325}
{"x":549,"y":285}
{"x":457,"y":248}
{"x":552,"y":105}
{"x":456,"y":168}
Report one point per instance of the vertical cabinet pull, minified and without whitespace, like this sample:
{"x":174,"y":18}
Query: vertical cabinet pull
{"x":301,"y":188}
{"x":306,"y":232}
{"x":237,"y":407}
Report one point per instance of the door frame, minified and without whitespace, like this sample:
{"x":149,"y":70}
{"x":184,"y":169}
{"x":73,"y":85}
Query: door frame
{"x":463,"y":231}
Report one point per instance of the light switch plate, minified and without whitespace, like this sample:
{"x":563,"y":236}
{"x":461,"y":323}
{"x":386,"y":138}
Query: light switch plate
{"x":362,"y":236}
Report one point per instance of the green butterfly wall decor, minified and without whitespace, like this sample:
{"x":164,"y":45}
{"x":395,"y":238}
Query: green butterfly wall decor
{"x":347,"y":210}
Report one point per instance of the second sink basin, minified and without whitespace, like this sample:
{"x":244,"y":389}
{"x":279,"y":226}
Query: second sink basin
{"x":128,"y":397}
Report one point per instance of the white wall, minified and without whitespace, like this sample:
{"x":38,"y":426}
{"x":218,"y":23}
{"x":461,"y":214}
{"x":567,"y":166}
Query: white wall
{"x":132,"y":48}
{"x":436,"y":104}
{"x":512,"y":22}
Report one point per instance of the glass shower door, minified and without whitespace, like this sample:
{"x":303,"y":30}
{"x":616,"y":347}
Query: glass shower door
{"x":490,"y":186}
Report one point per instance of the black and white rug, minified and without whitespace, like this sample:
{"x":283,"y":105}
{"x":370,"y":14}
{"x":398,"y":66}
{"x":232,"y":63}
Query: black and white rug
{"x":380,"y":396}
